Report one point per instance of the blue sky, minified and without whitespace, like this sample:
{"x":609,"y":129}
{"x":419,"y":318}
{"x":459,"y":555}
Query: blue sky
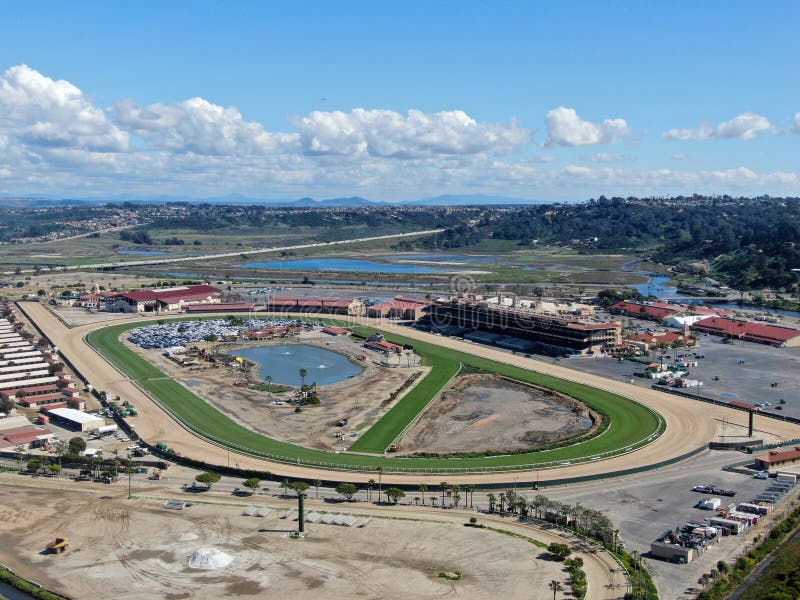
{"x":399,"y":100}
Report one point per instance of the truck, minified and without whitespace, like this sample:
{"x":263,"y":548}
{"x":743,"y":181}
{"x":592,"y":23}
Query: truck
{"x":106,"y":429}
{"x":58,"y":545}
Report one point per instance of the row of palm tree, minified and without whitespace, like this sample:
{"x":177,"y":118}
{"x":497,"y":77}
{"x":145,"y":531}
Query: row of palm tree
{"x":586,"y":521}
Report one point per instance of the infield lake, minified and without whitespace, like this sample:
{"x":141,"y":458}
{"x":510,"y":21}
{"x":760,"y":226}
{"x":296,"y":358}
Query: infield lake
{"x":283,"y":364}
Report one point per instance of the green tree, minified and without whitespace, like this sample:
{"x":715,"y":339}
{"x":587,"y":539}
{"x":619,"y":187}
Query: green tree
{"x":300,"y":487}
{"x":348,"y":490}
{"x":303,"y":374}
{"x":394,"y":494}
{"x":370,"y":486}
{"x":76,"y":445}
{"x":208,"y":478}
{"x":559,"y":551}
{"x":423,"y":488}
{"x":253,"y":484}
{"x":34,"y":465}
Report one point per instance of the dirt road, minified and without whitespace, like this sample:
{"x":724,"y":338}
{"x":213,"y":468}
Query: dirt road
{"x":689,"y":424}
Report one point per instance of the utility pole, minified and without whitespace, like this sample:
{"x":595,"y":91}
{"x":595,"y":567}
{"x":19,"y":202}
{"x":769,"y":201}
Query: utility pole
{"x":301,"y":519}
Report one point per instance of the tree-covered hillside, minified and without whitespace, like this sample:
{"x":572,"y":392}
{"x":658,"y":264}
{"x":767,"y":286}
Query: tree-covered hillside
{"x":751,"y":242}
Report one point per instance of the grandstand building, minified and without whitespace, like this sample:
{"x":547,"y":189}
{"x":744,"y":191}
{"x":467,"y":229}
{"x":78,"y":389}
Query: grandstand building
{"x":532,"y":330}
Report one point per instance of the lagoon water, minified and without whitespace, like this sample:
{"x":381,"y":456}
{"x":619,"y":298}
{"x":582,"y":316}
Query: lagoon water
{"x":283,"y":364}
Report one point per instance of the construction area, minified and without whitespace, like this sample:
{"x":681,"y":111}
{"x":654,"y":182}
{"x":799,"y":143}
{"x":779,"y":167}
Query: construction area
{"x":491,"y":413}
{"x":346,"y":408}
{"x":141,"y":550}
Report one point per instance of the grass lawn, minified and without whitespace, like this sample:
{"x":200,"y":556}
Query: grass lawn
{"x":630,"y":422}
{"x":271,"y":388}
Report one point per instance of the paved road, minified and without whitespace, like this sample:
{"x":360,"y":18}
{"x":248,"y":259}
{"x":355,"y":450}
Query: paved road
{"x":163,"y":261}
{"x":689,"y":424}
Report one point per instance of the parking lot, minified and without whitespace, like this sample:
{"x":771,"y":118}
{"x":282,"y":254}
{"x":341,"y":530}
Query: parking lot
{"x":745,"y":372}
{"x":646,"y":505}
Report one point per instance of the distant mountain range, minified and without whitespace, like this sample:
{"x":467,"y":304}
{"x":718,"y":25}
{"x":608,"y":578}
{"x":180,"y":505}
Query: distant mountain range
{"x":445,"y":200}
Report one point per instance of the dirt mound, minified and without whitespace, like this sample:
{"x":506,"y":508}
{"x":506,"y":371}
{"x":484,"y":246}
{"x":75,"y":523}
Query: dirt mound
{"x":480,"y":413}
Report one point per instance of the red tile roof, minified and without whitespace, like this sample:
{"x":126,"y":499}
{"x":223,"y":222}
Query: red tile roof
{"x":653,"y":310}
{"x":190,"y":293}
{"x":335,"y":330}
{"x":747,"y":330}
{"x":142,"y":296}
{"x":780,"y":456}
{"x":24,"y":435}
{"x":44,"y":398}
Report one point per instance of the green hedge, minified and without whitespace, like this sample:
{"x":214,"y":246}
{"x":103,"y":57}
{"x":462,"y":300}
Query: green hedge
{"x":27,"y":587}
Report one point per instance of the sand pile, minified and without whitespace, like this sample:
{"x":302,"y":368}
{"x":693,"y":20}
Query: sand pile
{"x":187,"y":537}
{"x":209,"y":559}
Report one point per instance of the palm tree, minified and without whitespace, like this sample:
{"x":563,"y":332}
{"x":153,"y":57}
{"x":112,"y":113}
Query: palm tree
{"x":303,"y":373}
{"x":380,"y":482}
{"x":317,"y":483}
{"x":370,"y":486}
{"x":502,"y":501}
{"x":423,"y":488}
{"x":456,"y":496}
{"x":268,"y":379}
{"x":492,"y":500}
{"x":468,"y":490}
{"x":443,"y":485}
{"x":556,"y":587}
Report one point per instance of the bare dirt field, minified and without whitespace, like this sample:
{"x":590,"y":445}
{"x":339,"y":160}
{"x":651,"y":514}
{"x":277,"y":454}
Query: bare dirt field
{"x":139,"y":550}
{"x":361,"y":400}
{"x":487,"y":412}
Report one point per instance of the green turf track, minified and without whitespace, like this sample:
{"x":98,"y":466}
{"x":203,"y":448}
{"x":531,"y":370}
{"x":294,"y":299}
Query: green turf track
{"x":630,"y":423}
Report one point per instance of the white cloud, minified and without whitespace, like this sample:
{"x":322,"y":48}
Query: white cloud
{"x":196,"y":125}
{"x":566,"y":128}
{"x":795,"y":129}
{"x":389,"y":134}
{"x":607,"y":157}
{"x":746,"y":126}
{"x":679,"y":156}
{"x":41,"y":112}
{"x":54,"y":140}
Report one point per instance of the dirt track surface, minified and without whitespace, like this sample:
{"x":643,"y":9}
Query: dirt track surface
{"x":689,"y":424}
{"x":135,"y":549}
